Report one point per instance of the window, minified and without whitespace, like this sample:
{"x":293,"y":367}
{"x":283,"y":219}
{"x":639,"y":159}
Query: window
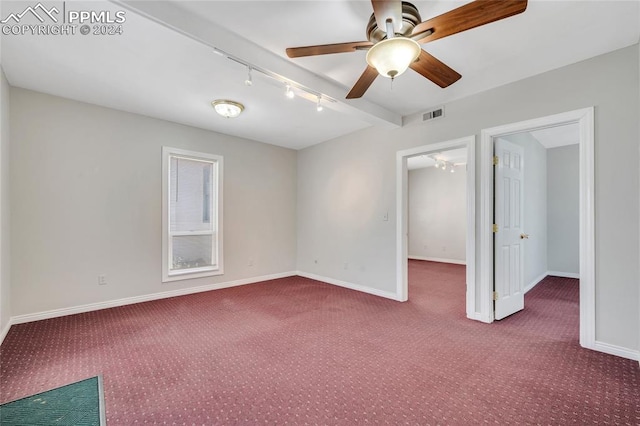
{"x":191,"y":214}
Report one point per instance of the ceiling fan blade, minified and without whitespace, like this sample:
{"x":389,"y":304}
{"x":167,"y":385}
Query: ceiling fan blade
{"x":435,"y":70}
{"x":325,"y":49}
{"x":471,"y":15}
{"x":388,"y":9}
{"x":363,"y":83}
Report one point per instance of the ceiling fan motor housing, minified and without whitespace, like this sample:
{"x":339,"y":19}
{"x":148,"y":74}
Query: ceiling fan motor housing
{"x":410,"y":18}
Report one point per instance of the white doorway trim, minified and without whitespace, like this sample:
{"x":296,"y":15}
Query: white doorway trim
{"x":585,"y":120}
{"x":402,"y":252}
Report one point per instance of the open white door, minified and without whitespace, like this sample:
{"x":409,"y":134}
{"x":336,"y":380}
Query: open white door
{"x":509,"y":235}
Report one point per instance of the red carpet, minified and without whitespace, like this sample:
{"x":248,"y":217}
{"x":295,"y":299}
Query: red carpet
{"x":302,"y":352}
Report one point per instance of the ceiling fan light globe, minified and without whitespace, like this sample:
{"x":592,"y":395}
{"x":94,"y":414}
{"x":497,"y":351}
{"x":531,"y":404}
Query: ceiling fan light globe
{"x":391,"y":57}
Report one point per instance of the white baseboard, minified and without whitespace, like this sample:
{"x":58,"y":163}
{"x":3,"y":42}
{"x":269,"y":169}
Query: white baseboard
{"x":438,"y":259}
{"x":5,"y":331}
{"x":535,"y":282}
{"x":563,"y":274}
{"x":145,"y":298}
{"x":351,"y":286}
{"x":616,"y":350}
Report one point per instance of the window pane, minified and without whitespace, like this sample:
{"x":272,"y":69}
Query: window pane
{"x":192,"y":251}
{"x":191,"y":214}
{"x":190,"y":206}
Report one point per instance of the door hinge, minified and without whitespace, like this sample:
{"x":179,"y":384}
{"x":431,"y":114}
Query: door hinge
{"x":495,"y":295}
{"x":496,"y":160}
{"x":495,"y":228}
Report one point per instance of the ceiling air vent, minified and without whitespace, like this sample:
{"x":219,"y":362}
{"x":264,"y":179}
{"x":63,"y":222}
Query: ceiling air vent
{"x":433,"y":114}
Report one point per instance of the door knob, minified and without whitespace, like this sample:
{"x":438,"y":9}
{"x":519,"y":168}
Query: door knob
{"x":524,"y":236}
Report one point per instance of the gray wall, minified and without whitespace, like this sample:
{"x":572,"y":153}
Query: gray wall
{"x":5,"y":238}
{"x":535,"y":206}
{"x":438,"y":214}
{"x":346,"y":185}
{"x":563,"y":214}
{"x":86,"y":200}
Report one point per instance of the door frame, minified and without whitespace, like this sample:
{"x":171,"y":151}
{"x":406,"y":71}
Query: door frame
{"x":585,"y":120}
{"x":402,"y":214}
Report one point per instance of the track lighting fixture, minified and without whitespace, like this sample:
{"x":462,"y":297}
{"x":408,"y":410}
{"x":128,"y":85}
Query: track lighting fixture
{"x":302,"y":91}
{"x":288,"y":92}
{"x":319,"y":105}
{"x":249,"y":80}
{"x":443,"y":164}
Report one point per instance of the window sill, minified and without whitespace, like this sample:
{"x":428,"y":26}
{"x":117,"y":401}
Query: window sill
{"x":191,"y":274}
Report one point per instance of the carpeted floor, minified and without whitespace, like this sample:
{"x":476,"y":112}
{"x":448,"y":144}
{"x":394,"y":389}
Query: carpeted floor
{"x":298,"y":351}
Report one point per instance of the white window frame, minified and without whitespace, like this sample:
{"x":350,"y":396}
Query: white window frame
{"x":216,"y":201}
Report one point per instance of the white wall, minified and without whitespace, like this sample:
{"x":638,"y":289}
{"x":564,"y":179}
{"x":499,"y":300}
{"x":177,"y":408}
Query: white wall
{"x":563,"y":214}
{"x":535,"y":207}
{"x":438,"y":214}
{"x":346,"y":185}
{"x":5,"y":237}
{"x":86,"y":200}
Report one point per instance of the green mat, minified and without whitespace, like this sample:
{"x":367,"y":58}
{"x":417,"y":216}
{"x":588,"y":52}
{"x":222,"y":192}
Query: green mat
{"x":80,"y":403}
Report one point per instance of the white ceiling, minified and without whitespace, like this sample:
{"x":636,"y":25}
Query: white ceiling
{"x":554,"y":137}
{"x":164,"y":64}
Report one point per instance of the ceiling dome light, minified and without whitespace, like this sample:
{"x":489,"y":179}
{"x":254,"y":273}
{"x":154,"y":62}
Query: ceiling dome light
{"x":391,"y":57}
{"x":227,"y":109}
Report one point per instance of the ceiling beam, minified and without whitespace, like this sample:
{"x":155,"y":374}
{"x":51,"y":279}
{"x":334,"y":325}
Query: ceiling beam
{"x":223,"y":41}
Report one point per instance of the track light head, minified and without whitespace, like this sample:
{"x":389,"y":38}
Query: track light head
{"x":249,"y":80}
{"x":288,"y":92}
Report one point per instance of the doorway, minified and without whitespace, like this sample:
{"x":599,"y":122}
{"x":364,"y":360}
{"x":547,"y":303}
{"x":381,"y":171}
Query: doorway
{"x":584,"y":119}
{"x":536,"y":212}
{"x":402,"y":240}
{"x":437,"y":203}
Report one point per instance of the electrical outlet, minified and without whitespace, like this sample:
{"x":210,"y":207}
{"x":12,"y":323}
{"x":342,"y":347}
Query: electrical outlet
{"x":385,"y":216}
{"x":102,"y":280}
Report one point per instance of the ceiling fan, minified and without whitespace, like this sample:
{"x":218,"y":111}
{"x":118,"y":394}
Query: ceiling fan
{"x":395,"y":32}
